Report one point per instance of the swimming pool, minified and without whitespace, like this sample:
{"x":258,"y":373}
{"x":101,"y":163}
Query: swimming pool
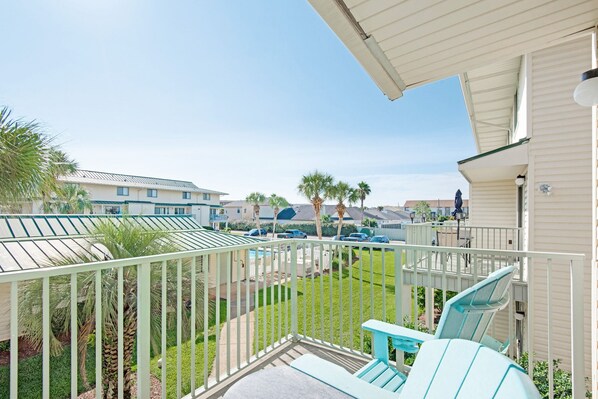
{"x":260,"y":252}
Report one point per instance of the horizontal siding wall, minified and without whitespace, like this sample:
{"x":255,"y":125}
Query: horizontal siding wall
{"x":493,"y":204}
{"x":561,"y":156}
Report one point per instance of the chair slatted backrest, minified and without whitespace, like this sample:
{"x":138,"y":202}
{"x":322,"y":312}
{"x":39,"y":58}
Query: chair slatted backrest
{"x":469,"y":314}
{"x":455,"y":368}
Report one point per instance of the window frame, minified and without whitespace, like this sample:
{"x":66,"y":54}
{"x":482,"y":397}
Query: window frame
{"x":120,"y":191}
{"x":187,"y":195}
{"x":151,"y":191}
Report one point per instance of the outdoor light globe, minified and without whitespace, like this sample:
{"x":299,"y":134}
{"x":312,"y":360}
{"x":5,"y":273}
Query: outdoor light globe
{"x":586,"y":93}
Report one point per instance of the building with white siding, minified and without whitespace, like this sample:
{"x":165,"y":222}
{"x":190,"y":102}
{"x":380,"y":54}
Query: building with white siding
{"x":535,"y":168}
{"x":115,"y":193}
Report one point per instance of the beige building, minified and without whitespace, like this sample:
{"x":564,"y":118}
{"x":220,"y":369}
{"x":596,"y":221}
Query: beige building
{"x":114,"y":193}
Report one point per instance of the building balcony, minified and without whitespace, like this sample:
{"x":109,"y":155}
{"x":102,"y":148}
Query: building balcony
{"x":259,"y":305}
{"x":218,"y":218}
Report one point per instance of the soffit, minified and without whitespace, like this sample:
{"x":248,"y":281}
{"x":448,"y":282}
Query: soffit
{"x":404,"y":44}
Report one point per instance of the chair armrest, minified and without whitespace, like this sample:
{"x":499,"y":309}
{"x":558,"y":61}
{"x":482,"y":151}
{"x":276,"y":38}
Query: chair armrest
{"x":404,"y":339}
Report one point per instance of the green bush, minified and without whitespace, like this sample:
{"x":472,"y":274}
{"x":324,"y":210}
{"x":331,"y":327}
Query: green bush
{"x":345,"y":256}
{"x":563,"y":387}
{"x":328,"y":230}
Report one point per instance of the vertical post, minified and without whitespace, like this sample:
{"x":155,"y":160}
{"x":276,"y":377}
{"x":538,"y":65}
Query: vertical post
{"x":399,"y":301}
{"x":144,"y":330}
{"x":14,"y":340}
{"x":294,"y":327}
{"x":577,"y":327}
{"x":46,"y":338}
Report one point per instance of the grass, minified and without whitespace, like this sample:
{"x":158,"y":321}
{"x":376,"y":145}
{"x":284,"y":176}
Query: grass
{"x":328,"y":306}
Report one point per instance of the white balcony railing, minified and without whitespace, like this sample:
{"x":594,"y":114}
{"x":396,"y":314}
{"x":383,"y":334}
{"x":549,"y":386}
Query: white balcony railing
{"x":254,"y":298}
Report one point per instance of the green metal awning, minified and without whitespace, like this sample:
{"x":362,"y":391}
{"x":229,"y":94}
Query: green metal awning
{"x":34,"y":241}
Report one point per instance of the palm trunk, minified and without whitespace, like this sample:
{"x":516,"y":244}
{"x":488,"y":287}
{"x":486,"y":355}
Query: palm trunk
{"x":340,"y":225}
{"x":361,"y":211}
{"x":318,"y":223}
{"x":82,"y":340}
{"x":274,"y":226}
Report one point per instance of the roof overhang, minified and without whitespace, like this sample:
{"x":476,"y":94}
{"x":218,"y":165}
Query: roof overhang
{"x":503,"y":163}
{"x":404,"y":44}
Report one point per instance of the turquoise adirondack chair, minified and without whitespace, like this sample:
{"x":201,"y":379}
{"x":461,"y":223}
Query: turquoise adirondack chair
{"x":443,"y":369}
{"x":467,"y":316}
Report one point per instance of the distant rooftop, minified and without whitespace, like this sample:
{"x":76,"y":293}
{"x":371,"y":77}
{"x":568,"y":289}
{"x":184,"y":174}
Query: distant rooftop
{"x":106,"y":178}
{"x":444,"y":203}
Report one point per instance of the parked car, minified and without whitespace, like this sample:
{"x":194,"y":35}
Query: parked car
{"x":357,"y":237}
{"x":380,"y":239}
{"x":339,"y":238}
{"x":292,"y":234}
{"x":256,"y":232}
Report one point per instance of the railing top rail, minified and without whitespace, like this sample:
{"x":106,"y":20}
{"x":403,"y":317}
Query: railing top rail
{"x":29,"y":274}
{"x":454,"y":226}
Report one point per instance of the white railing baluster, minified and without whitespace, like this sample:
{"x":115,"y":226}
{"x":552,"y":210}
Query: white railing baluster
{"x":361,"y":299}
{"x":46,"y":338}
{"x":14,"y":340}
{"x":313,"y":291}
{"x":384,"y":288}
{"x":98,"y":309}
{"x":229,"y":267}
{"x":163,"y":314}
{"x":265,"y":301}
{"x":193,"y":334}
{"x":549,"y":325}
{"x":74,"y":333}
{"x":205,"y":269}
{"x":577,"y":328}
{"x":120,"y":330}
{"x":398,"y":269}
{"x":350,"y":283}
{"x":143,"y":329}
{"x":340,"y":295}
{"x":304,"y":278}
{"x":272,"y":289}
{"x":179,"y":327}
{"x":217,"y":324}
{"x":239,"y":313}
{"x":322,"y":292}
{"x":294,"y":325}
{"x":530,"y":330}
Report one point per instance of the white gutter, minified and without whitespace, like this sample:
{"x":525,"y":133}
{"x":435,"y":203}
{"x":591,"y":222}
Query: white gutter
{"x":363,"y":47}
{"x":469,"y":105}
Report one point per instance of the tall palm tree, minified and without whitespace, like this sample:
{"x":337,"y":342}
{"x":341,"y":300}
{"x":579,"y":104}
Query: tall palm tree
{"x":127,"y":240}
{"x":29,"y":162}
{"x":256,"y":199}
{"x":342,"y":193}
{"x":363,"y":190}
{"x":316,"y":188}
{"x":69,"y":199}
{"x":276,"y":203}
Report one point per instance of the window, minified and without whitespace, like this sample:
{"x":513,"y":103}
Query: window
{"x":179,"y":211}
{"x":124,"y":191}
{"x":112,"y":210}
{"x":152,"y":193}
{"x":238,"y":210}
{"x":206,"y":196}
{"x":186,"y":195}
{"x":161,"y":210}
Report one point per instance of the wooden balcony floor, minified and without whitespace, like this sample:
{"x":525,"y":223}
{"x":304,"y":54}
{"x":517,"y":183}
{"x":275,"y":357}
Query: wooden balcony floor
{"x":283,"y":356}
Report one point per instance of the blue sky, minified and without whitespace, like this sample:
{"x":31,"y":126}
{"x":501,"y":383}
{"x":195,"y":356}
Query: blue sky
{"x":237,"y":96}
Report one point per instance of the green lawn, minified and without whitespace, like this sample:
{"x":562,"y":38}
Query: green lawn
{"x":329,"y":306}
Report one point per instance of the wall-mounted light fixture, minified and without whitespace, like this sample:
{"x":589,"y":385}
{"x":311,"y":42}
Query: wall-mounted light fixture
{"x":520,"y":180}
{"x":586,"y":92}
{"x":545,"y":188}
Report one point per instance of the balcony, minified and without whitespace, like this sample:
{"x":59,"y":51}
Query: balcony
{"x":259,"y":305}
{"x":218,"y":218}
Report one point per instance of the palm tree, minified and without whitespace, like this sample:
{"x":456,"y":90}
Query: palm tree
{"x":363,"y":190}
{"x":276,"y":203}
{"x":342,"y":192}
{"x":69,"y":199}
{"x":316,"y":188}
{"x":29,"y":162}
{"x":127,"y":240}
{"x":256,"y":199}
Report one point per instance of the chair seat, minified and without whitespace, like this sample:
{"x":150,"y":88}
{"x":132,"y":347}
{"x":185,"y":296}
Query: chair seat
{"x":382,"y":375}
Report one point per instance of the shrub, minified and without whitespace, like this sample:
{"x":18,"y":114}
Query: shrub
{"x":563,"y":387}
{"x":345,"y":253}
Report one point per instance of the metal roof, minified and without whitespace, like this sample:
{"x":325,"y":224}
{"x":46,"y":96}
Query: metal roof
{"x":33,"y":241}
{"x":105,"y":178}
